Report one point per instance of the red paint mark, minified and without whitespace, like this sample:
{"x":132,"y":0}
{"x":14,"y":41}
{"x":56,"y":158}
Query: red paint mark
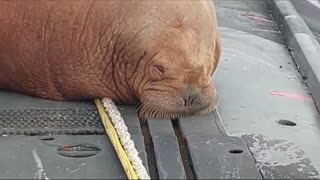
{"x":291,"y":95}
{"x":259,"y":18}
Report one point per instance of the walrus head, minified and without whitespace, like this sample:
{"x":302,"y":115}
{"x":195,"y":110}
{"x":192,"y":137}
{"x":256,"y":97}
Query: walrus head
{"x":179,"y":76}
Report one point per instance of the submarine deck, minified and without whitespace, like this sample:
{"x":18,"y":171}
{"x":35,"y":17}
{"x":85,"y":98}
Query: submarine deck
{"x":266,"y":125}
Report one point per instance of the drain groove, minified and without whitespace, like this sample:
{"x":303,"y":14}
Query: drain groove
{"x":184,"y":151}
{"x":149,"y":150}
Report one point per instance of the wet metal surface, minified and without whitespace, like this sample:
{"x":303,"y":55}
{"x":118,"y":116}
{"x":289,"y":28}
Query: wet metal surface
{"x":258,"y":85}
{"x":248,"y":16}
{"x":214,"y":155}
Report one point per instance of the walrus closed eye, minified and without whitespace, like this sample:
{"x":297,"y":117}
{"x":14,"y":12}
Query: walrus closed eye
{"x":160,"y":55}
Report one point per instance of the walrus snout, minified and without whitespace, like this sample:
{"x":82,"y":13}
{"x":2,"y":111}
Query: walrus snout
{"x":190,"y":98}
{"x":185,"y":102}
{"x":195,"y":100}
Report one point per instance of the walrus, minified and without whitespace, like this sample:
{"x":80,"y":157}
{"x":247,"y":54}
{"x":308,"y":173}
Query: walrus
{"x":157,"y":55}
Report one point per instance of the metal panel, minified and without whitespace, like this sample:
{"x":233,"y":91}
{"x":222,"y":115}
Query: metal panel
{"x":214,"y":155}
{"x":28,"y":157}
{"x":166,"y":149}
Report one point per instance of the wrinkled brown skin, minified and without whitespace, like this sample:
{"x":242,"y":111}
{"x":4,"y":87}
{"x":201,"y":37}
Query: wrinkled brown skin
{"x":160,"y":55}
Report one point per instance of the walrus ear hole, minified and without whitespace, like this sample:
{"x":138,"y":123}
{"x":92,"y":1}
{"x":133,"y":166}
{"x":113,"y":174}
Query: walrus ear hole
{"x":157,"y":72}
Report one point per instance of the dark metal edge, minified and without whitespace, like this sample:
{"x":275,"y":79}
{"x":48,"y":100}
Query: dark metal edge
{"x":302,"y":45}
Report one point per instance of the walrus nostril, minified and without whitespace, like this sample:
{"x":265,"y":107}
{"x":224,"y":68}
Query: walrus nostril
{"x":189,"y":100}
{"x":190,"y":97}
{"x":185,"y":102}
{"x":192,"y":100}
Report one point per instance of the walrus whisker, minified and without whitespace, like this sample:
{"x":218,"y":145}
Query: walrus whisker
{"x":152,"y":111}
{"x":138,"y":106}
{"x":148,"y":110}
{"x":157,"y":111}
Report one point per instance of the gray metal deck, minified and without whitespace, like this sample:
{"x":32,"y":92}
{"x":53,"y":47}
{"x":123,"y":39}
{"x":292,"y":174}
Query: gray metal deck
{"x":266,"y":126}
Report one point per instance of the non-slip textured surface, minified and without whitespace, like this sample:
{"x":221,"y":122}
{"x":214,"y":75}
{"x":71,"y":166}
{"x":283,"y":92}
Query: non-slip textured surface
{"x":50,"y":121}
